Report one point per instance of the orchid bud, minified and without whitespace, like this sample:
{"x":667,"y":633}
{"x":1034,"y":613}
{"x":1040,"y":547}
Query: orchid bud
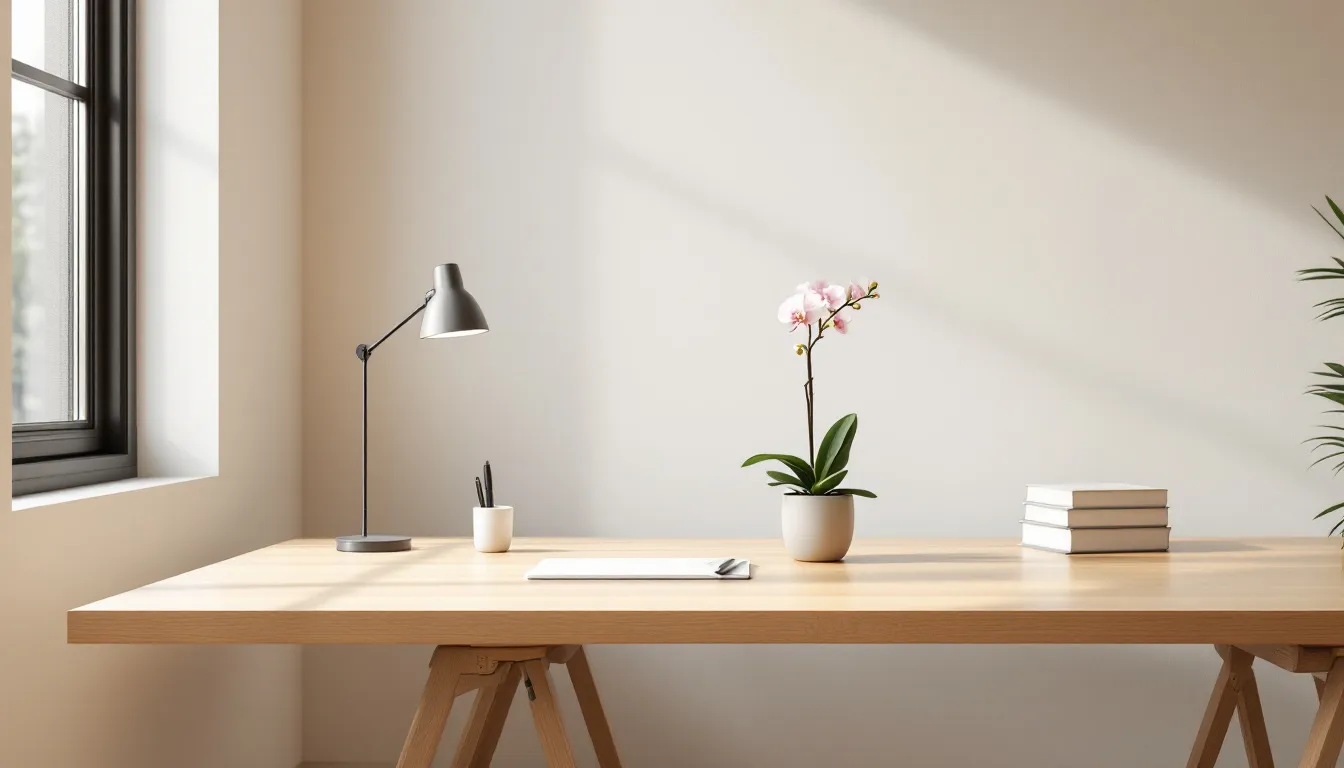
{"x":872,"y":286}
{"x":875,"y":296}
{"x":799,"y":349}
{"x":858,"y":305}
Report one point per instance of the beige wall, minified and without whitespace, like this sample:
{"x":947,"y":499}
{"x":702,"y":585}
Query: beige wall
{"x":1085,"y":216}
{"x":83,"y":706}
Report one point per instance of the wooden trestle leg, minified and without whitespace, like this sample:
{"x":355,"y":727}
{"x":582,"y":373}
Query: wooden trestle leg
{"x":1235,"y":690}
{"x":495,"y":673}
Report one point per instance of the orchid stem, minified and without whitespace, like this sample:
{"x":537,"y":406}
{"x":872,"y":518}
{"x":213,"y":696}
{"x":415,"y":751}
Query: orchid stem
{"x":807,"y":390}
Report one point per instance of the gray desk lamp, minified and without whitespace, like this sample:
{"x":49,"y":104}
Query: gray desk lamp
{"x":449,"y":311}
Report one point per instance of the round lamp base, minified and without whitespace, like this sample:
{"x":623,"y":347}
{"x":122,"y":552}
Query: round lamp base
{"x":374,"y":542}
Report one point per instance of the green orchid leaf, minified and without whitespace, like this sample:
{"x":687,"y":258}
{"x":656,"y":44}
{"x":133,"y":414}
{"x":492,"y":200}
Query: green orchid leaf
{"x":1336,"y":367}
{"x":842,"y":458}
{"x":800,"y":468}
{"x":833,"y":454}
{"x":830,"y":483}
{"x":784,"y":477}
{"x":854,"y":492}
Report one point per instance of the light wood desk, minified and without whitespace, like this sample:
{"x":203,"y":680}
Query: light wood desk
{"x":1277,"y":599}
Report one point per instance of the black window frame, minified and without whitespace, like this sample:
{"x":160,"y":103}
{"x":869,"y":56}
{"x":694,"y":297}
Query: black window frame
{"x":101,"y":448}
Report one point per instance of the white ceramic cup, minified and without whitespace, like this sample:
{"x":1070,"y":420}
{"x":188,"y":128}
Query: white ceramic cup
{"x":492,"y":528}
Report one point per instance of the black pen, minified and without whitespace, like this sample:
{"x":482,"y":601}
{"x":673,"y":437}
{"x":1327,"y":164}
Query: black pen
{"x":480,"y":495}
{"x":489,"y":487}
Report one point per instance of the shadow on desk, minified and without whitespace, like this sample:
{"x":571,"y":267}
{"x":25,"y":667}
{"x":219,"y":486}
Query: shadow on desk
{"x":1212,"y":545}
{"x":928,"y":557}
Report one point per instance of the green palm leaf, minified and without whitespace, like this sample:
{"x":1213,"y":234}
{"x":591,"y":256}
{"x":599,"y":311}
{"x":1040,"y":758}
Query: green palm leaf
{"x":1327,"y":221}
{"x":1328,"y":510}
{"x":1338,"y":214}
{"x":1325,"y":458}
{"x":1333,"y":397}
{"x":1336,"y":526}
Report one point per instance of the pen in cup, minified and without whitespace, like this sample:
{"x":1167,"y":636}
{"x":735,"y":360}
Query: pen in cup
{"x":489,"y":487}
{"x":480,"y":495}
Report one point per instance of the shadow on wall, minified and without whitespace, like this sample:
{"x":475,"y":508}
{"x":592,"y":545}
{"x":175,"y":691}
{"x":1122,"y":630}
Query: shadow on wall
{"x":1089,"y":370}
{"x":1246,"y":91}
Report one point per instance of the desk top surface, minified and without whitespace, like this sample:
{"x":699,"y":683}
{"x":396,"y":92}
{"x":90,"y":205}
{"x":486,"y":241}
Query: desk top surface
{"x":886,"y":591}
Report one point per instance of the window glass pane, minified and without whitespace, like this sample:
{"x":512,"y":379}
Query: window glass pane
{"x":49,"y":34}
{"x":48,"y":257}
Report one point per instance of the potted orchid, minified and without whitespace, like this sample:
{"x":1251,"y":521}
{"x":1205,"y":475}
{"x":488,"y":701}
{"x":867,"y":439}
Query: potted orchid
{"x":818,"y":513}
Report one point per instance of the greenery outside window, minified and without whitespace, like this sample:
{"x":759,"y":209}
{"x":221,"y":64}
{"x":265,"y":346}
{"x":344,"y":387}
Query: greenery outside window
{"x":72,"y":217}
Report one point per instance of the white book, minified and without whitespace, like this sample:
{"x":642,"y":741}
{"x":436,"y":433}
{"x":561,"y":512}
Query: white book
{"x":1097,"y":495}
{"x":638,"y":568}
{"x":1095,"y":540}
{"x":1137,"y":517}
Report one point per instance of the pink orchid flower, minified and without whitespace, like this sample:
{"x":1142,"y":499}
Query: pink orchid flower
{"x":857,"y":290}
{"x":841,"y":323}
{"x":833,"y":295}
{"x":803,"y":308}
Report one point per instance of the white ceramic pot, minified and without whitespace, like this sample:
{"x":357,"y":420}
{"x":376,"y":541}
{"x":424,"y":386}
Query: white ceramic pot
{"x":818,"y":529}
{"x":492,"y":528}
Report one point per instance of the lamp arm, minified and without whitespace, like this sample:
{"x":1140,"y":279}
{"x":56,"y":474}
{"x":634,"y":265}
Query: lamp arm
{"x":363,"y":351}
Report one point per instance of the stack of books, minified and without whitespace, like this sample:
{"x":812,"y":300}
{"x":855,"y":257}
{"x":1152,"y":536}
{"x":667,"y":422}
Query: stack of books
{"x":1096,"y":517}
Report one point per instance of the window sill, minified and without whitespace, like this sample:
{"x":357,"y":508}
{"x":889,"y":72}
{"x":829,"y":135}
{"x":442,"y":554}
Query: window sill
{"x":52,"y":498}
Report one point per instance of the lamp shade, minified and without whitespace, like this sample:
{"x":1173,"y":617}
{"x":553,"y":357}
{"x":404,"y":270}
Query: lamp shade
{"x":451,"y":311}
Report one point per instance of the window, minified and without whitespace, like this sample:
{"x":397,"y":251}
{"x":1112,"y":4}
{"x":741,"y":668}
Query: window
{"x":72,"y":226}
